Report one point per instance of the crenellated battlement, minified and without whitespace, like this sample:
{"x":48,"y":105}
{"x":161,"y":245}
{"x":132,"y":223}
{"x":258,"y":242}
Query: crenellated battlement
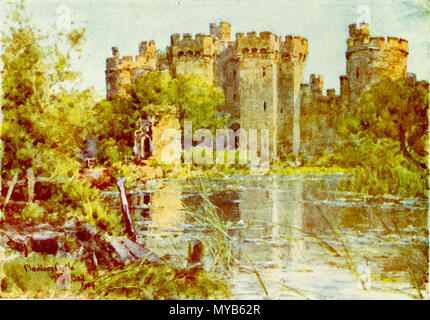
{"x":187,"y":46}
{"x":331,"y":93}
{"x":221,"y":31}
{"x":370,"y":59}
{"x":294,"y":47}
{"x":360,"y":39}
{"x":377,"y":43}
{"x":317,"y":83}
{"x":359,"y":31}
{"x":145,"y":59}
{"x":252,"y":44}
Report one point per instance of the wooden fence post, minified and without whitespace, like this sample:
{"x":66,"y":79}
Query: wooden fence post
{"x":11,"y":186}
{"x":30,"y":184}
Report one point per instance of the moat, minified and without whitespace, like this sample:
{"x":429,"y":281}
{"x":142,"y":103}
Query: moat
{"x":303,"y":237}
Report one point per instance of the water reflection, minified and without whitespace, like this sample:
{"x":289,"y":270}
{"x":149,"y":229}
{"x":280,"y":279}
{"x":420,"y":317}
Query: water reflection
{"x":286,"y":226}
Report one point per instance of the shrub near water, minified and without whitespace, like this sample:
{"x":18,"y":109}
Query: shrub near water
{"x":380,"y":168}
{"x":71,"y":198}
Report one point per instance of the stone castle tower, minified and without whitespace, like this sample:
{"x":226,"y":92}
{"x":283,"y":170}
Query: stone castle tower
{"x":122,"y":71}
{"x":368,"y":59}
{"x":270,"y":73}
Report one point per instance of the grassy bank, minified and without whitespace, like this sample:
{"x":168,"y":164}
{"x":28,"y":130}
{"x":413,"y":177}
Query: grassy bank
{"x":43,"y":277}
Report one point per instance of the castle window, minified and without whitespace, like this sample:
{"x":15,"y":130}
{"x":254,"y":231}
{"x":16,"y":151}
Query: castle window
{"x":255,"y":50}
{"x":264,"y":105}
{"x":245,"y":51}
{"x":190,"y":53}
{"x":197,"y":53}
{"x":263,"y":50}
{"x":234,"y":74}
{"x":356,"y":74}
{"x":180,"y":54}
{"x":264,"y":72}
{"x":234,"y":97}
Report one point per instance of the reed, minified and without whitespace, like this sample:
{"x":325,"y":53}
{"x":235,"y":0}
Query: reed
{"x":220,"y":243}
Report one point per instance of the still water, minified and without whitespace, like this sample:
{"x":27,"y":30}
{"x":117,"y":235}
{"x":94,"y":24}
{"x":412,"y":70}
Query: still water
{"x":305,"y":239}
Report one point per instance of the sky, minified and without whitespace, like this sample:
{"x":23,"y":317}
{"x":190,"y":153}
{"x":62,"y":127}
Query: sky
{"x":324,"y":23}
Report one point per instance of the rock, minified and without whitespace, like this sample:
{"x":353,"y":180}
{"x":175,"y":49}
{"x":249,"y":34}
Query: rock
{"x":77,"y":239}
{"x":84,"y":232}
{"x":44,"y":242}
{"x":196,"y":251}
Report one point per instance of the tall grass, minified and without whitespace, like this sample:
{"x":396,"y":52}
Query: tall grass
{"x":144,"y":281}
{"x":220,"y":243}
{"x":388,"y":180}
{"x":415,"y":256}
{"x":138,"y":280}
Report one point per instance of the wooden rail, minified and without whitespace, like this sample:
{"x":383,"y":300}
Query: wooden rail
{"x":30,"y":181}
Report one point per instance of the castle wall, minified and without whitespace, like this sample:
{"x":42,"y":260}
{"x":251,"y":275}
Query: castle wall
{"x":271,"y":71}
{"x":164,"y":142}
{"x":320,"y":116}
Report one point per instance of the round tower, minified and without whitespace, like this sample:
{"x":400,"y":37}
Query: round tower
{"x":371,"y":58}
{"x":112,"y":76}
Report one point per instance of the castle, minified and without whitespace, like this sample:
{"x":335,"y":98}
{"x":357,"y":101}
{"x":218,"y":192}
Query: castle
{"x":262,"y":74}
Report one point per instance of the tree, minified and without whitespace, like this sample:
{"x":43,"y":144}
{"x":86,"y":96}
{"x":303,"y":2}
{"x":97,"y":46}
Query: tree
{"x":398,"y":110}
{"x":45,"y":114}
{"x":193,"y":99}
{"x":155,"y":94}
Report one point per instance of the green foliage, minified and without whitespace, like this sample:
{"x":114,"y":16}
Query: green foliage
{"x":155,"y":94}
{"x":46,"y":119}
{"x":397,"y":110}
{"x":193,"y":99}
{"x":45,"y":116}
{"x":386,"y":140}
{"x":71,"y":198}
